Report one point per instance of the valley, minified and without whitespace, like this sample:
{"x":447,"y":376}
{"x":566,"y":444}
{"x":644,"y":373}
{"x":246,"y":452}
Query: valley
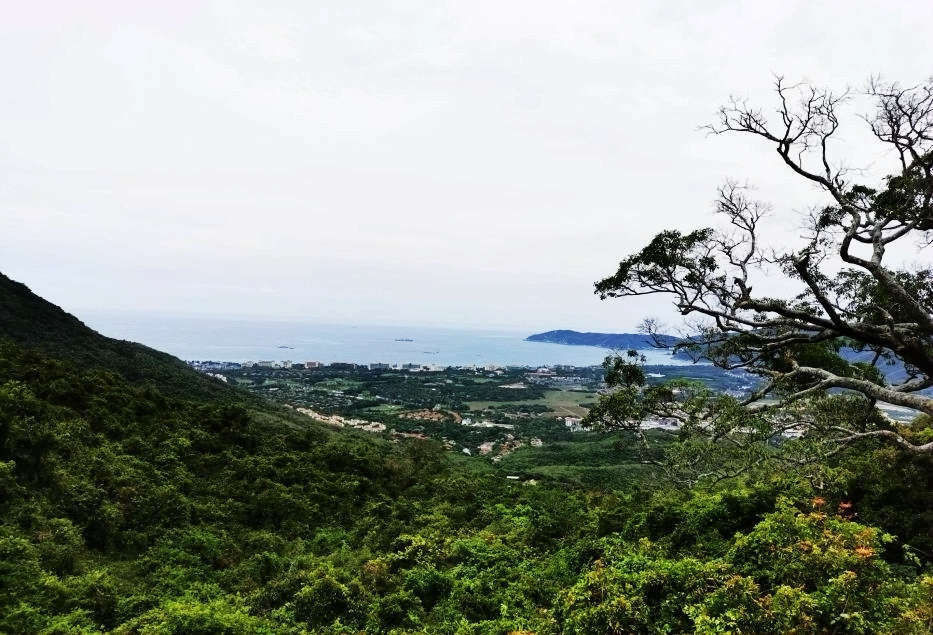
{"x":489,"y":413}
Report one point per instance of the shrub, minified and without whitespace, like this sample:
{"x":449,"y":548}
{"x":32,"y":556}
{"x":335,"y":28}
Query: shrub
{"x":321,"y":602}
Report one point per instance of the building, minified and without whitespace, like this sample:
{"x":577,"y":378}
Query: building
{"x":573,"y":424}
{"x":379,"y":366}
{"x":267,"y":363}
{"x":313,"y":364}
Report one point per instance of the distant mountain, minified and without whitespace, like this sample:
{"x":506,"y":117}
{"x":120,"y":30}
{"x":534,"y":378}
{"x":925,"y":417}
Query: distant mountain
{"x":637,"y":341}
{"x":34,"y":323}
{"x":894,"y":372}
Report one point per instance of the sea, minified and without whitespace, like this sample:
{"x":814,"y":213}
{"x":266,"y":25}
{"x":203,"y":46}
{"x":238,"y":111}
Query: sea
{"x":238,"y":340}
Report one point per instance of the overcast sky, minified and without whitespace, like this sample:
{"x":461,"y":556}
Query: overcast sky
{"x":457,"y":163}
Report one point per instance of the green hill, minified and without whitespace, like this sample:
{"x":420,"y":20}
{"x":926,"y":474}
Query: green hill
{"x":34,"y":323}
{"x":136,"y":498}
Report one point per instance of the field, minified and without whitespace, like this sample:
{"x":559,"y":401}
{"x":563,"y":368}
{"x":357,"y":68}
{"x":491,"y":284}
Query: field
{"x":338,"y":383}
{"x":565,"y":403}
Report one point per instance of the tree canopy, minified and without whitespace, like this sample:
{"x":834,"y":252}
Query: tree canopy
{"x":858,"y":333}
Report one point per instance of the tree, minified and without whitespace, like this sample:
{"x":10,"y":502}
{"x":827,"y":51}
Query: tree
{"x":851,"y":298}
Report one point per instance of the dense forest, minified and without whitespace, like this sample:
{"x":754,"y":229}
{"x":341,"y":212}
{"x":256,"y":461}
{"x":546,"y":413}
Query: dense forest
{"x":130,"y":506}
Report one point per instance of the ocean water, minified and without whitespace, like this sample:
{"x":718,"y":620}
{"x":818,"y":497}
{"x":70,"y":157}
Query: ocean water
{"x":237,"y":340}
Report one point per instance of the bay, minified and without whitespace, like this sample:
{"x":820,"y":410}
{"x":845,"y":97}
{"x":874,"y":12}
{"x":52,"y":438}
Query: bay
{"x":237,"y":340}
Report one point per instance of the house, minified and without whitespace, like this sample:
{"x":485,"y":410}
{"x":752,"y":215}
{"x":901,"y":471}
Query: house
{"x":573,"y":424}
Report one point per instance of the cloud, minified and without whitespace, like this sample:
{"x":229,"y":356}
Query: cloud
{"x":419,"y":162}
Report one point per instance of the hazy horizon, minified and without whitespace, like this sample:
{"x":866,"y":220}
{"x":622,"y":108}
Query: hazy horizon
{"x":92,"y":314}
{"x":95,"y":316}
{"x":237,"y":340}
{"x":425,"y":164}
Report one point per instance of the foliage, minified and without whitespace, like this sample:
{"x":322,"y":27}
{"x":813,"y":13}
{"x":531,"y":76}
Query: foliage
{"x":856,"y":335}
{"x":126,"y":510}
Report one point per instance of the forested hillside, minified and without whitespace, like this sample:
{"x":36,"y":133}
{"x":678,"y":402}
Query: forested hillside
{"x":621,"y":341}
{"x":34,"y":323}
{"x":131,"y":505}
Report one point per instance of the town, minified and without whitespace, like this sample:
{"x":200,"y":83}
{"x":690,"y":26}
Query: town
{"x":488,"y":410}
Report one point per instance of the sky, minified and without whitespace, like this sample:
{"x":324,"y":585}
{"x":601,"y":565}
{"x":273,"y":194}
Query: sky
{"x":473,"y":163}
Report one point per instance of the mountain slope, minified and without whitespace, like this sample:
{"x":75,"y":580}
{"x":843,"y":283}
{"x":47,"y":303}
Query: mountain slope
{"x":125,"y":510}
{"x":34,"y":323}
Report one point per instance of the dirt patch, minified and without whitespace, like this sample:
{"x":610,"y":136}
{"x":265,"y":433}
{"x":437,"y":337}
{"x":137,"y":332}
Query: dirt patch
{"x":426,"y":415}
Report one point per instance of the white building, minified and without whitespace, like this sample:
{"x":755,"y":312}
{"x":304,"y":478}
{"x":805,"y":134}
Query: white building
{"x":573,"y":424}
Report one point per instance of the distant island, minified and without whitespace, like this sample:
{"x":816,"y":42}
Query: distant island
{"x":637,"y":341}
